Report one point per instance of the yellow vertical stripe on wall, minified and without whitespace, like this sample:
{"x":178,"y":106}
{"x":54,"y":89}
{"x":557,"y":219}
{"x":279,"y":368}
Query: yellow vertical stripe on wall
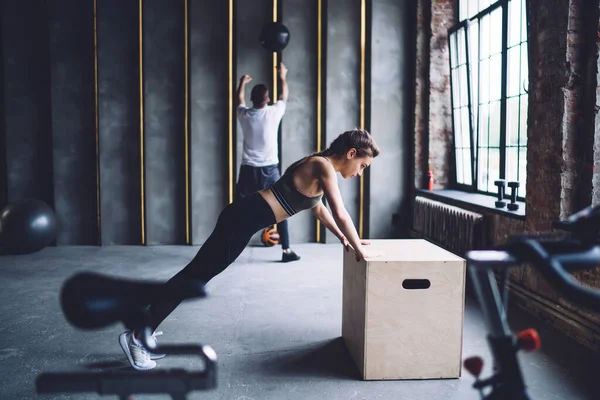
{"x":230,"y":97}
{"x":186,"y":121}
{"x":96,"y":125}
{"x":142,"y":124}
{"x":319,"y":99}
{"x":275,"y":94}
{"x":363,"y":21}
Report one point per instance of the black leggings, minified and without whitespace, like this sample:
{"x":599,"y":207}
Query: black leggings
{"x":236,"y":225}
{"x":253,"y":179}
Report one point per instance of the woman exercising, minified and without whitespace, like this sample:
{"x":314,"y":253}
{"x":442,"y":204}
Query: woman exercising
{"x":301,"y":187}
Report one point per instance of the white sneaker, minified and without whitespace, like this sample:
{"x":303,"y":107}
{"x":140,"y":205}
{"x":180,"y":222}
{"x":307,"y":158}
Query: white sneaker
{"x":136,"y":353}
{"x":154,"y":343}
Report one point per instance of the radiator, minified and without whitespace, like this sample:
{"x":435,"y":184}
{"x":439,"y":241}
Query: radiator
{"x":454,"y":228}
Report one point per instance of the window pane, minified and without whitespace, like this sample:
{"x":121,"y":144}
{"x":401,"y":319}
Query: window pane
{"x":467,"y":167}
{"x":496,"y":31}
{"x":461,"y":47}
{"x":465,"y":128}
{"x":495,"y":77}
{"x":462,"y":9}
{"x":459,"y":166}
{"x":483,"y":125}
{"x":483,"y":4}
{"x":514,"y":22}
{"x":453,"y":50}
{"x":523,"y":21}
{"x":484,"y":40}
{"x":511,"y":164}
{"x":522,"y":170}
{"x":464,"y":96}
{"x":484,"y":81}
{"x":482,"y":170}
{"x":494,"y":168}
{"x":524,"y":86}
{"x":473,"y":35}
{"x":523,"y":128}
{"x":512,"y":122}
{"x":457,"y":127}
{"x":455,"y":88}
{"x":514,"y":66}
{"x":494,"y":124}
{"x":473,"y":7}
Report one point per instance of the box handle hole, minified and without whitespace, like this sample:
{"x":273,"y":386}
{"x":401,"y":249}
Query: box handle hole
{"x":416,"y":284}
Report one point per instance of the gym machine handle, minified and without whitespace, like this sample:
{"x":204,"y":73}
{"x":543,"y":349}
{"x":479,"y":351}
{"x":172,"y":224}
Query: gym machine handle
{"x":176,"y":382}
{"x":554,"y":258}
{"x":92,"y":301}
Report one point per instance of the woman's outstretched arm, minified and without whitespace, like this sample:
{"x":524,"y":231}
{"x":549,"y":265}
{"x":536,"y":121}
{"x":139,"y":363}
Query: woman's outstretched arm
{"x":322,"y":214}
{"x":328,"y":180}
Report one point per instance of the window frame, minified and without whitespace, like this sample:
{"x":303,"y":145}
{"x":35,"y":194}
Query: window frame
{"x":461,"y":186}
{"x":474,"y":136}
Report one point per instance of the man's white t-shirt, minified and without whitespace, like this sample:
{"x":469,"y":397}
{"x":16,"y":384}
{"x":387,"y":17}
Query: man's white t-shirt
{"x":259,"y":127}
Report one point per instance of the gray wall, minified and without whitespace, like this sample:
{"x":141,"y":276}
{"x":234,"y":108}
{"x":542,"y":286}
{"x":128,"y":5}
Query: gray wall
{"x":49,"y":111}
{"x":119,"y":122}
{"x":298,"y":132}
{"x":209,"y":94}
{"x":73,"y":126}
{"x":27,"y":112}
{"x":3,"y":163}
{"x":392,"y":46}
{"x":164,"y":129}
{"x":343,"y":86}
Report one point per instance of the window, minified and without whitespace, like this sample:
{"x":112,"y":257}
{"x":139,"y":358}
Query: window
{"x":489,"y":82}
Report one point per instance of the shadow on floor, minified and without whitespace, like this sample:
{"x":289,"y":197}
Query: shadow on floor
{"x":580,"y":364}
{"x":327,"y":359}
{"x":107,"y":365}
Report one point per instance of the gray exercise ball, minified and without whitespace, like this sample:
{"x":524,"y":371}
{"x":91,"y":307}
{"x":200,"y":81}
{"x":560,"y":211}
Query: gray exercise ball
{"x":26,"y":226}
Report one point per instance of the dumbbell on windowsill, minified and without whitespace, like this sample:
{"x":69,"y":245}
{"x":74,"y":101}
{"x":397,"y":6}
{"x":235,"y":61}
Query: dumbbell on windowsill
{"x":501,"y":184}
{"x":513,"y":206}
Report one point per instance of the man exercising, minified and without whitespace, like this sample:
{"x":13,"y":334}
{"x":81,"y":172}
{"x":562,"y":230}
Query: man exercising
{"x":260,"y":158}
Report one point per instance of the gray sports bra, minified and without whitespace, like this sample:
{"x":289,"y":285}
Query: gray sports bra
{"x":289,"y":197}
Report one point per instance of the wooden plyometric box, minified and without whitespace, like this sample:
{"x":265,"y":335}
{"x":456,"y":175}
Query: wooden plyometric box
{"x":402,"y":313}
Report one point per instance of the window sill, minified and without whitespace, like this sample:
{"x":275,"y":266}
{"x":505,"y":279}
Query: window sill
{"x":475,"y":201}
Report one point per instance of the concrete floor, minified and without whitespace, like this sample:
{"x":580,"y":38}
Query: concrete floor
{"x":275,"y":328}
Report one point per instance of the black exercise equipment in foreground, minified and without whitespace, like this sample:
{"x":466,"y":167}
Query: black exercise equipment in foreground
{"x":553,"y":257}
{"x":92,"y":301}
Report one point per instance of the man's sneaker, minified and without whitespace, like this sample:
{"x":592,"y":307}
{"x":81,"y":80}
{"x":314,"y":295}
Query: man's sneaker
{"x":138,"y":356}
{"x":290,"y":256}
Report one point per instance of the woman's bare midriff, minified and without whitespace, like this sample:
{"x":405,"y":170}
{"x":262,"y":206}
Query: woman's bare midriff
{"x":278,"y":211}
{"x":303,"y":178}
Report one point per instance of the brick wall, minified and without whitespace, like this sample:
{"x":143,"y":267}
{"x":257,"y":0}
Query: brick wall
{"x":422,"y":92}
{"x":440,"y":112}
{"x":579,"y":106}
{"x":548,"y":75}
